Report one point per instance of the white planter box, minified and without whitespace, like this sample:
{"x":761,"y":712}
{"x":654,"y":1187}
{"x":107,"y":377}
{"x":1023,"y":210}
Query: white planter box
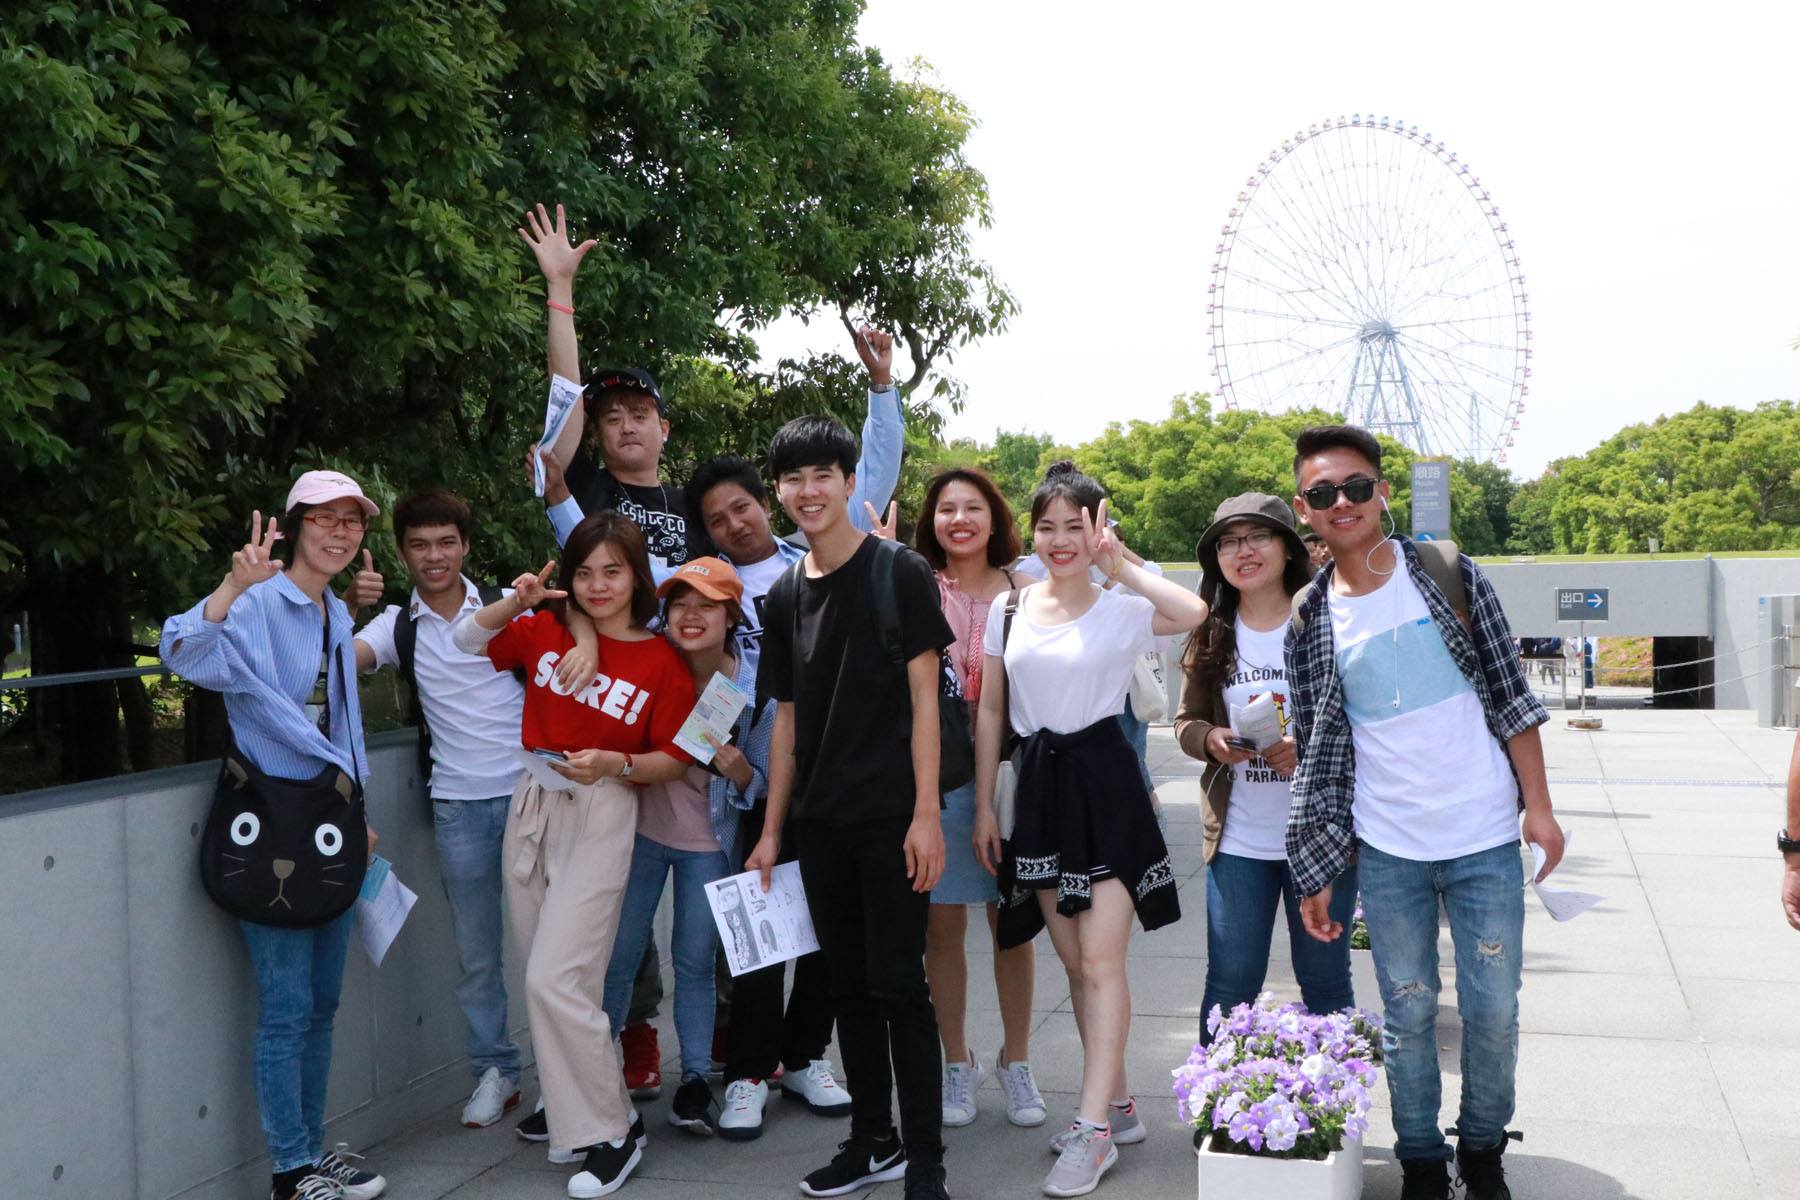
{"x":1254,"y":1177}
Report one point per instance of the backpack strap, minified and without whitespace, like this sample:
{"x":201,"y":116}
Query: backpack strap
{"x":1443,"y":565}
{"x":406,"y":648}
{"x":887,"y":605}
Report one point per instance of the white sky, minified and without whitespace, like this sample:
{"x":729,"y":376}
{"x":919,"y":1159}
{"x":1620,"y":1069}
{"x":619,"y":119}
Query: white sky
{"x":1646,"y":165}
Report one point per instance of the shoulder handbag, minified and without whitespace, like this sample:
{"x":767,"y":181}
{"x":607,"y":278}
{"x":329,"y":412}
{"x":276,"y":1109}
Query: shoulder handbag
{"x":1006,"y":781}
{"x":285,"y":852}
{"x":1149,"y":691}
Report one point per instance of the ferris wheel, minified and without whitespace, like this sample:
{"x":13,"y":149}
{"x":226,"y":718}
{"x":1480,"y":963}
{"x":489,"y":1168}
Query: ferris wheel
{"x":1364,"y":269}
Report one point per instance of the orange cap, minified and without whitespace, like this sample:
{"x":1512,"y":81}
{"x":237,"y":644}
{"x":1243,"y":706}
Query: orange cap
{"x":711,"y":577}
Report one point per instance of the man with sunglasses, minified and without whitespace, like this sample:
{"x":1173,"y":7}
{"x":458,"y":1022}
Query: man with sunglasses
{"x":1418,"y":743}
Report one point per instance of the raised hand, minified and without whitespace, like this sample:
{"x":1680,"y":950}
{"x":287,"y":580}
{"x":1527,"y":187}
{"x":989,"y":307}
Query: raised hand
{"x":532,"y":590}
{"x":549,"y":241}
{"x":876,"y":349}
{"x":878,"y":527}
{"x":1103,"y":545}
{"x":256,"y":561}
{"x":367,"y":587}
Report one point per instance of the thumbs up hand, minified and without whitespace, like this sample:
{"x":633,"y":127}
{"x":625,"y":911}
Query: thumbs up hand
{"x":367,"y":587}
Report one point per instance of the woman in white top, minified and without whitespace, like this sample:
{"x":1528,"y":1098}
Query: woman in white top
{"x":1252,"y":564}
{"x":1085,"y":839}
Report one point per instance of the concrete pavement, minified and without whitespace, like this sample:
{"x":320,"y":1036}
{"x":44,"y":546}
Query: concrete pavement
{"x":1659,"y":1053}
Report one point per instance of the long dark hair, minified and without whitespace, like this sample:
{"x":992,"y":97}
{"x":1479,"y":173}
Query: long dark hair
{"x":1211,"y":651}
{"x":1003,"y":536}
{"x":628,"y":540}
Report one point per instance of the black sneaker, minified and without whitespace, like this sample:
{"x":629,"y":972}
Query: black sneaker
{"x":1425,"y":1179}
{"x":355,"y":1184}
{"x":605,"y":1169}
{"x":926,"y":1183}
{"x":534,"y":1128}
{"x":1481,"y":1173}
{"x":694,"y":1108}
{"x":304,"y":1183}
{"x":858,"y":1164}
{"x":638,"y":1135}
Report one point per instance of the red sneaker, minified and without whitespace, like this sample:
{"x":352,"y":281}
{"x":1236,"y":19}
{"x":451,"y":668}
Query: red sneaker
{"x":643,"y":1061}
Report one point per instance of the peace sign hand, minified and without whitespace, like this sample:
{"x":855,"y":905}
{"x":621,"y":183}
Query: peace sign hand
{"x":556,"y":258}
{"x":1103,"y":545}
{"x":256,"y":562}
{"x":878,"y":527}
{"x":532,"y":590}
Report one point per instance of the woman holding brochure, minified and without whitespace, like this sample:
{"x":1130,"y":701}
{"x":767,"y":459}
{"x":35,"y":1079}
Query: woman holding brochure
{"x":567,"y":851}
{"x":1233,"y":679}
{"x":687,"y":828}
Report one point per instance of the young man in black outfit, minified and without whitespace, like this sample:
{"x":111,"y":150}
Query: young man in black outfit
{"x":855,"y":754}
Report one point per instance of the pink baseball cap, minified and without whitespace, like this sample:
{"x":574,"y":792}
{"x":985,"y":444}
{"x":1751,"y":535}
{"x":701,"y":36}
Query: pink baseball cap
{"x":322,"y":487}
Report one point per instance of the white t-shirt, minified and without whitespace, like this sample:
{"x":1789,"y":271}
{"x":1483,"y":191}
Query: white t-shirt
{"x":1256,"y":825}
{"x":1431,"y":781}
{"x":758,"y":578}
{"x":472,"y":709}
{"x":1065,"y":677}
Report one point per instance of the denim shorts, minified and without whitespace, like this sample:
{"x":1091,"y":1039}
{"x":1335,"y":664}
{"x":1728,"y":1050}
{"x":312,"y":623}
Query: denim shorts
{"x":964,"y":881}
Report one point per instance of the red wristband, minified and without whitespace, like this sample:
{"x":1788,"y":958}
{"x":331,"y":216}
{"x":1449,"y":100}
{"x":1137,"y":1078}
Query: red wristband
{"x":561,"y":308}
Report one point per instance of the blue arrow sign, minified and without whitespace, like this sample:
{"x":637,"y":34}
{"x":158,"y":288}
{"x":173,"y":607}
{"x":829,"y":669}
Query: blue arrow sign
{"x":1595,"y":600}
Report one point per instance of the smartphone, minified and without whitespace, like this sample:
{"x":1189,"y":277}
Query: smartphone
{"x":1238,"y":743}
{"x":552,"y":755}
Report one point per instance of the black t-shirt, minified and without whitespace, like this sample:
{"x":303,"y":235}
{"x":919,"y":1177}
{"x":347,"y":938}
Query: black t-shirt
{"x":658,"y":511}
{"x":852,"y":704}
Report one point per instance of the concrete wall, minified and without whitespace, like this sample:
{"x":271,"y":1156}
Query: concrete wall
{"x":127,"y":1006}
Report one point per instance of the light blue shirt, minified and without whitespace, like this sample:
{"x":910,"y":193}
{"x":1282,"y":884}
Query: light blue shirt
{"x":264,"y":658}
{"x":877,"y":472}
{"x":726,"y":802}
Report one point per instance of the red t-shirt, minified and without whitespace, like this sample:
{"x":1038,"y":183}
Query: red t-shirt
{"x":634,"y":706}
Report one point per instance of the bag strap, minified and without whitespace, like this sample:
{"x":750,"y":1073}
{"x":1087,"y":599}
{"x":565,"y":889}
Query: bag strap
{"x":887,"y":606}
{"x":1006,"y":619}
{"x":1443,"y":566}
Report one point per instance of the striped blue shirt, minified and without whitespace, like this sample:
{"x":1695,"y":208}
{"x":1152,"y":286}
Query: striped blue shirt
{"x":264,"y":657}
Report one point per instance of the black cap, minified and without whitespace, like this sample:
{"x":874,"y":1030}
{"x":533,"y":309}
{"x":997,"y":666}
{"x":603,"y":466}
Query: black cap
{"x":629,"y":379}
{"x":1257,"y":508}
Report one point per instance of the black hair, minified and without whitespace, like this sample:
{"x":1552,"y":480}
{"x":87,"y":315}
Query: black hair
{"x":290,"y":525}
{"x":432,"y":506}
{"x":812,"y":442}
{"x":710,"y":474}
{"x":1064,"y":481}
{"x":1320,"y":438}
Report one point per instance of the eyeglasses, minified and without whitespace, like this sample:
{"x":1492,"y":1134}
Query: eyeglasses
{"x":1257,"y":540}
{"x":1324,"y":495}
{"x":355,"y":522}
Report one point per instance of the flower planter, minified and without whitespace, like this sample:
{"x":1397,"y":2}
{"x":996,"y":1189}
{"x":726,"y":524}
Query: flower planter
{"x":1258,"y":1177}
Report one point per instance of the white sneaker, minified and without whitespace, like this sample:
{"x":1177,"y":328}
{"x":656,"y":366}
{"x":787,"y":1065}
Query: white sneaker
{"x":817,"y":1089}
{"x":494,"y":1097}
{"x":1086,"y":1156}
{"x":1024,"y":1103}
{"x":741,"y":1116}
{"x":1127,"y":1130}
{"x":961,"y":1081}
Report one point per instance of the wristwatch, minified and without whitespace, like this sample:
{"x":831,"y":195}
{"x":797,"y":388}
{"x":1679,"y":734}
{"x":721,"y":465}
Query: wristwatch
{"x":1786,"y":844}
{"x":625,"y":771}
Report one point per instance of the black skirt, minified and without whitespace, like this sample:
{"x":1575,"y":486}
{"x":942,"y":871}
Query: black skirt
{"x":1082,"y":815}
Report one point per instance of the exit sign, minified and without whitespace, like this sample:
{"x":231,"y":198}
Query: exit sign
{"x":1581,"y":604}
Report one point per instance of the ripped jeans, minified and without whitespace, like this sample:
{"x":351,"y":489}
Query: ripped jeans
{"x":1483,"y":893}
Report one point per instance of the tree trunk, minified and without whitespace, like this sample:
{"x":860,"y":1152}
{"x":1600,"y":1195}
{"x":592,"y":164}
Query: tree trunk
{"x":74,"y":615}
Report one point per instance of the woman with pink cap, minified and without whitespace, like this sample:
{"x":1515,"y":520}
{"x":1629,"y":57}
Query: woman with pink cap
{"x":276,"y":642}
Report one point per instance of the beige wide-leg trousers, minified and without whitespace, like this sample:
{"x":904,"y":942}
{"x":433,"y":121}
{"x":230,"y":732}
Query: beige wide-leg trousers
{"x":567,"y":857}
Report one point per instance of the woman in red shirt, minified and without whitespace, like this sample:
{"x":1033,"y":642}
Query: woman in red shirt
{"x":567,"y":852}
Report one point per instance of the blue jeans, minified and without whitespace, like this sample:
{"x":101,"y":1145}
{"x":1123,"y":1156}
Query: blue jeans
{"x":1484,"y":895}
{"x":299,"y":976}
{"x":1241,"y":895}
{"x":694,"y":943}
{"x":469,"y":834}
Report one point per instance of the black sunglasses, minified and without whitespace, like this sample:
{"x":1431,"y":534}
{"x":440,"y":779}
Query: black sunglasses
{"x":1324,"y":495}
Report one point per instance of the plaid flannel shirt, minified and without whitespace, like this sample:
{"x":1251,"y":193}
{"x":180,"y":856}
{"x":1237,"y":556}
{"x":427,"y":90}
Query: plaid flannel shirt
{"x":1321,"y":833}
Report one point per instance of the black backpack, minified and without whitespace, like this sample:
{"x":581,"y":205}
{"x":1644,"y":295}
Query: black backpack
{"x":956,"y":744}
{"x":406,"y":641}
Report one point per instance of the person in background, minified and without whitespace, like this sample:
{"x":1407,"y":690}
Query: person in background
{"x":1085,"y":854}
{"x":1252,"y":564}
{"x":294,"y":712}
{"x":567,"y":851}
{"x":1317,"y":552}
{"x":1417,"y":736}
{"x":966,"y":533}
{"x":1789,"y":843}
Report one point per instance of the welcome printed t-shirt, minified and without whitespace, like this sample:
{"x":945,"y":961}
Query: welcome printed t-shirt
{"x":1256,"y":824}
{"x":658,"y":511}
{"x":1431,"y":781}
{"x":852,"y":704}
{"x":636,"y":703}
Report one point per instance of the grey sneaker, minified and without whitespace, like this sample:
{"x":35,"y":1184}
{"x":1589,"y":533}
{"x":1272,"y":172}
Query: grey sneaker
{"x":1024,"y":1103}
{"x":961,"y":1080}
{"x":1086,"y":1156}
{"x":1127,"y":1130}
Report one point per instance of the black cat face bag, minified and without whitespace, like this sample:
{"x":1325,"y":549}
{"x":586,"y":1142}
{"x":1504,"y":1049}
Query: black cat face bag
{"x":286,"y":852}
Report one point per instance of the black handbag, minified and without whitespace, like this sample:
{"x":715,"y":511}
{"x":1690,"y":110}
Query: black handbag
{"x":284,"y":852}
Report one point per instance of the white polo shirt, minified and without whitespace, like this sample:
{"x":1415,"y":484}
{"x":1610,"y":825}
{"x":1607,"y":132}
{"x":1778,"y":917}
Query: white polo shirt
{"x":472,"y":709}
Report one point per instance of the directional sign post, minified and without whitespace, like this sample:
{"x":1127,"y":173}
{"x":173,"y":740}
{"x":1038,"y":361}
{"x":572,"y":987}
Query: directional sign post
{"x":1583,"y":605}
